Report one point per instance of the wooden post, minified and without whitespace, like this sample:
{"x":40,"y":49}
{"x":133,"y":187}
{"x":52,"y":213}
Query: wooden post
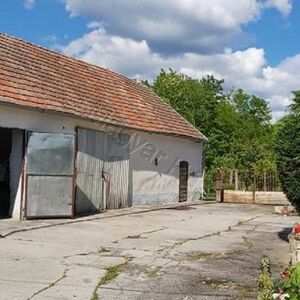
{"x":265,"y":181}
{"x":236,"y":180}
{"x":231,"y":177}
{"x":219,"y":187}
{"x":254,"y":186}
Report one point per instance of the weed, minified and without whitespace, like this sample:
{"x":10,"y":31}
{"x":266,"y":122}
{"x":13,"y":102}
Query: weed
{"x":153,"y":272}
{"x":103,"y":250}
{"x":137,"y":236}
{"x":111,"y":273}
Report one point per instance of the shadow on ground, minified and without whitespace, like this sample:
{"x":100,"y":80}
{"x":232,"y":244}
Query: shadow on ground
{"x":284,"y":234}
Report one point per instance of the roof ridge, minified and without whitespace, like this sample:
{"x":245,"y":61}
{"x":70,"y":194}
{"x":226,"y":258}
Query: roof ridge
{"x":174,"y":110}
{"x":83,"y":90}
{"x":64,"y":56}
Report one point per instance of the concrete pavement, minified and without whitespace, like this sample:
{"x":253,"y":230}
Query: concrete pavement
{"x":198,"y":252}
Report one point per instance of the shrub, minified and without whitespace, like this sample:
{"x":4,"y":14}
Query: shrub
{"x":288,"y":157}
{"x":265,"y":282}
{"x":287,"y":286}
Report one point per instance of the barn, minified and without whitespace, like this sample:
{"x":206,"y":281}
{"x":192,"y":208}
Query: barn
{"x":77,"y":139}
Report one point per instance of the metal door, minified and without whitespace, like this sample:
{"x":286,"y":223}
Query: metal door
{"x":90,"y":171}
{"x":49,"y":175}
{"x":183,"y":180}
{"x":117,"y":169}
{"x":102,"y":172}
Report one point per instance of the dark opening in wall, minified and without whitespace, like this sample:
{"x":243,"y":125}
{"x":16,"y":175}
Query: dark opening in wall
{"x":5,"y":150}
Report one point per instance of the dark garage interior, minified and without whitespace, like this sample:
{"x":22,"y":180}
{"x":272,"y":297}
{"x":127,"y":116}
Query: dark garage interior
{"x":5,"y":150}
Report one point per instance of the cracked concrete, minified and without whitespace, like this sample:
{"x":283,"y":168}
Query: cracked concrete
{"x":207,"y":252}
{"x":50,"y":285}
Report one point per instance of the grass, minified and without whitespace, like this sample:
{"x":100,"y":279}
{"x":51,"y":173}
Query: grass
{"x":111,"y":273}
{"x":247,"y":241}
{"x":153,"y":272}
{"x":52,"y":284}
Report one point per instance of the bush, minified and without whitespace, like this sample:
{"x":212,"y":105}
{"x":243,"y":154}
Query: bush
{"x":288,"y":157}
{"x":286,"y":287}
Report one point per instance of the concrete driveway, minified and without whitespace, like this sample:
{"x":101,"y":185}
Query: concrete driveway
{"x":208,"y":251}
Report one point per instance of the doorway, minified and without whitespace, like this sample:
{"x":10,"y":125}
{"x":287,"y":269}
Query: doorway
{"x":5,"y":150}
{"x":183,"y":181}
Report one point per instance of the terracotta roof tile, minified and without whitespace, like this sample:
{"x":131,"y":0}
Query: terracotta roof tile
{"x":35,"y":77}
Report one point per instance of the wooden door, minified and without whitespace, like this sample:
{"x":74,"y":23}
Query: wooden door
{"x":90,"y":164}
{"x":102,"y":172}
{"x":183,"y":181}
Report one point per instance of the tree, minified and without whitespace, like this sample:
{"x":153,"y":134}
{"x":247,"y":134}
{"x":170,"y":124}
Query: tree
{"x":253,"y":141}
{"x":295,"y":106}
{"x":196,"y":100}
{"x":288,"y":152}
{"x":237,"y":124}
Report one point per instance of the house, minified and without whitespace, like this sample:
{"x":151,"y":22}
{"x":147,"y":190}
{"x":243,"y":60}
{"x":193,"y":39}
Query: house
{"x":76,"y":139}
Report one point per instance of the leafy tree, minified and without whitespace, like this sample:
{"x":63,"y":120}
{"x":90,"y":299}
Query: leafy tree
{"x":237,"y":125}
{"x":295,"y":106}
{"x":196,"y":100}
{"x":254,"y":133}
{"x":288,"y":152}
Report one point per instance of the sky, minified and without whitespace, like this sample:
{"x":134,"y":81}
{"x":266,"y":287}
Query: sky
{"x":252,"y":44}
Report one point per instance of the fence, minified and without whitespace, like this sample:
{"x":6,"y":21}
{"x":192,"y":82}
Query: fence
{"x":249,"y":187}
{"x":250,"y":181}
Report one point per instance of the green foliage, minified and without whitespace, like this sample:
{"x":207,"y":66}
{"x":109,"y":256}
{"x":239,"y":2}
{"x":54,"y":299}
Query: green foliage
{"x":295,"y":277}
{"x":295,"y":106}
{"x":196,"y":100}
{"x":265,"y":282}
{"x":111,"y":273}
{"x":237,"y":125}
{"x":265,"y":286}
{"x":252,"y":139}
{"x":287,"y":286}
{"x":288,"y":152}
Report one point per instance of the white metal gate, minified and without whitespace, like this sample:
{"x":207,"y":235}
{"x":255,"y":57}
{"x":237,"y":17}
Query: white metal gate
{"x":49,"y":175}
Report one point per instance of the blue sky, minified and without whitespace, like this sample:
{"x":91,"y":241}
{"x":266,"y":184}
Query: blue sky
{"x":279,"y":36}
{"x":253,"y":44}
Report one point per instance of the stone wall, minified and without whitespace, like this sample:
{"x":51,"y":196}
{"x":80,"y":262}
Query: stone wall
{"x":294,"y":240}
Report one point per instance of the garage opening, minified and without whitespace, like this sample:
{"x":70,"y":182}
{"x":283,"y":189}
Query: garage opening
{"x":5,"y":150}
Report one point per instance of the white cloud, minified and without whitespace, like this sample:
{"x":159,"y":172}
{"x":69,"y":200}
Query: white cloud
{"x":176,"y":26}
{"x":284,"y":6}
{"x":51,"y":38}
{"x":29,"y":4}
{"x":138,"y":38}
{"x":245,"y":69}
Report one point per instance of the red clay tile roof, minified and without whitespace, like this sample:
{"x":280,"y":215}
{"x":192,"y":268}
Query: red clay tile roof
{"x":35,"y":77}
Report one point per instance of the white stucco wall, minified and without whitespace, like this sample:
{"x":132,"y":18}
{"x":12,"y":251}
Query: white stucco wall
{"x":151,"y":184}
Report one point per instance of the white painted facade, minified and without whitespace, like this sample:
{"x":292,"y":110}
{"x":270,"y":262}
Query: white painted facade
{"x":157,"y":184}
{"x":154,"y":158}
